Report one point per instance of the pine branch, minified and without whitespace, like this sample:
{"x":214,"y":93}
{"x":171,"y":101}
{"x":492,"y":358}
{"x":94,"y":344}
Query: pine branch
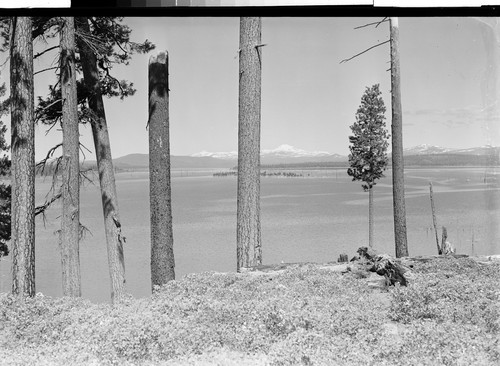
{"x":368,"y":49}
{"x":39,"y":112}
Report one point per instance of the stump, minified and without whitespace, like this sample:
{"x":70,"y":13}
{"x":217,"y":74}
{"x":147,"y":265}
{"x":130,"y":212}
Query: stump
{"x":384,"y":265}
{"x":343,"y":258}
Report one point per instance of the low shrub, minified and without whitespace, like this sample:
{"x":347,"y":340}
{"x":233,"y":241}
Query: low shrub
{"x":301,"y":316}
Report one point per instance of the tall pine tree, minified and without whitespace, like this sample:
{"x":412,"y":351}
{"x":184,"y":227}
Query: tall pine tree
{"x":23,"y":157}
{"x":248,"y":237}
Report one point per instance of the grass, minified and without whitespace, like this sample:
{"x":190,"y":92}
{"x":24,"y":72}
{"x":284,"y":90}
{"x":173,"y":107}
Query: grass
{"x":305,"y":315}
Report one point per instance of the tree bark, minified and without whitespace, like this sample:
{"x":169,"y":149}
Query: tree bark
{"x":23,"y":157}
{"x":162,"y":242}
{"x":370,"y":217}
{"x":112,"y":225}
{"x":248,"y":237}
{"x":398,"y":188}
{"x":70,"y":220}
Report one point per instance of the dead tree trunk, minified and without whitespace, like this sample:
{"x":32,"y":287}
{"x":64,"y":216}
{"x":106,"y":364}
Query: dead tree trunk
{"x":398,"y":187}
{"x":434,"y":221}
{"x":162,"y":242}
{"x":23,"y":157}
{"x":70,"y":219}
{"x":248,"y":238}
{"x":112,"y":225}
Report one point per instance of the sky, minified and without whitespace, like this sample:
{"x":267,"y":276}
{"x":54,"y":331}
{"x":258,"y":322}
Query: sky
{"x":309,"y":99}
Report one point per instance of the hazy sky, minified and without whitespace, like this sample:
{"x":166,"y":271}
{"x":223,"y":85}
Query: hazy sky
{"x":309,"y":99}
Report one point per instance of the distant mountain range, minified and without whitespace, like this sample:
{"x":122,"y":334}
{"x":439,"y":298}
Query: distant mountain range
{"x":425,"y":149}
{"x":283,"y":154}
{"x":421,"y":155}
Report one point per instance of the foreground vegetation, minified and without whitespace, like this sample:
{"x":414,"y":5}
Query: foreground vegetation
{"x":304,"y":315}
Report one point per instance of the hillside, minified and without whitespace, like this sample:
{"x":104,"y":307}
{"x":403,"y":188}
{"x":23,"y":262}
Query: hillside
{"x":304,"y":314}
{"x":288,"y":157}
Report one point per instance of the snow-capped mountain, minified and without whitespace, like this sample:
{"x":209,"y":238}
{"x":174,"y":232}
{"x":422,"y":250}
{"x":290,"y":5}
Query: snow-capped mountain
{"x":281,"y":154}
{"x":290,"y":151}
{"x":232,"y":155}
{"x":425,"y":149}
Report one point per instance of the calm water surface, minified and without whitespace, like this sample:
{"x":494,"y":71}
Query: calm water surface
{"x":314,"y":218}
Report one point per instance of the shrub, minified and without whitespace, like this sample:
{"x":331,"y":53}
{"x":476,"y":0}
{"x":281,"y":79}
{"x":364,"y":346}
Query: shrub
{"x":303,"y":315}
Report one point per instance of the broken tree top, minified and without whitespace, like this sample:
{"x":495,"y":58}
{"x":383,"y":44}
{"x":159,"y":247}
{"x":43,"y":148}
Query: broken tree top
{"x":161,"y":58}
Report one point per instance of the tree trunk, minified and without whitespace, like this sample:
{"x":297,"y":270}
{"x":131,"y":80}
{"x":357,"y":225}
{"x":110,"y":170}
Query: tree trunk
{"x":70,"y":220}
{"x":248,"y":237}
{"x":490,"y":88}
{"x":434,"y":221}
{"x":370,"y":217}
{"x":398,"y":187}
{"x":112,"y":225}
{"x":23,"y":157}
{"x":162,"y":242}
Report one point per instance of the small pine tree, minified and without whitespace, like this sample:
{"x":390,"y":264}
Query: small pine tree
{"x":368,"y":157}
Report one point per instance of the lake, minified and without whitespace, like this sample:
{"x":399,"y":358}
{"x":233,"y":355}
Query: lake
{"x":311,"y":218}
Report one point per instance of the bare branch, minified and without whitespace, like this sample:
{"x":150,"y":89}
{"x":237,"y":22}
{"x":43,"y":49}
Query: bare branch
{"x":40,"y":166}
{"x":83,"y":174}
{"x":368,"y":49}
{"x":47,"y":69}
{"x":52,"y":125}
{"x":376,"y":24}
{"x":83,"y":152}
{"x":383,"y":20}
{"x":42,"y":208}
{"x":83,"y":231}
{"x":47,"y":50}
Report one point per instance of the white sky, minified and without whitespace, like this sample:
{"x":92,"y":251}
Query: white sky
{"x":309,"y":99}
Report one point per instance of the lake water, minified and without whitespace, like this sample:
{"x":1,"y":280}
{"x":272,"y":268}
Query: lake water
{"x":312,"y":218}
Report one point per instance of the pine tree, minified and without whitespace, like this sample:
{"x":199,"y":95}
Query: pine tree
{"x":23,"y":157}
{"x":70,"y":218}
{"x":368,"y":157}
{"x":101,"y":42}
{"x":248,"y":237}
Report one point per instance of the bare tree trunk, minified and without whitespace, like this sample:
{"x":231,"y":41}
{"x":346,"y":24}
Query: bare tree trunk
{"x":370,"y":217}
{"x":70,"y":220}
{"x":248,"y":237}
{"x":112,"y":225}
{"x":434,"y":221}
{"x":490,"y":88}
{"x":162,"y":241}
{"x":23,"y":157}
{"x":398,"y":187}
